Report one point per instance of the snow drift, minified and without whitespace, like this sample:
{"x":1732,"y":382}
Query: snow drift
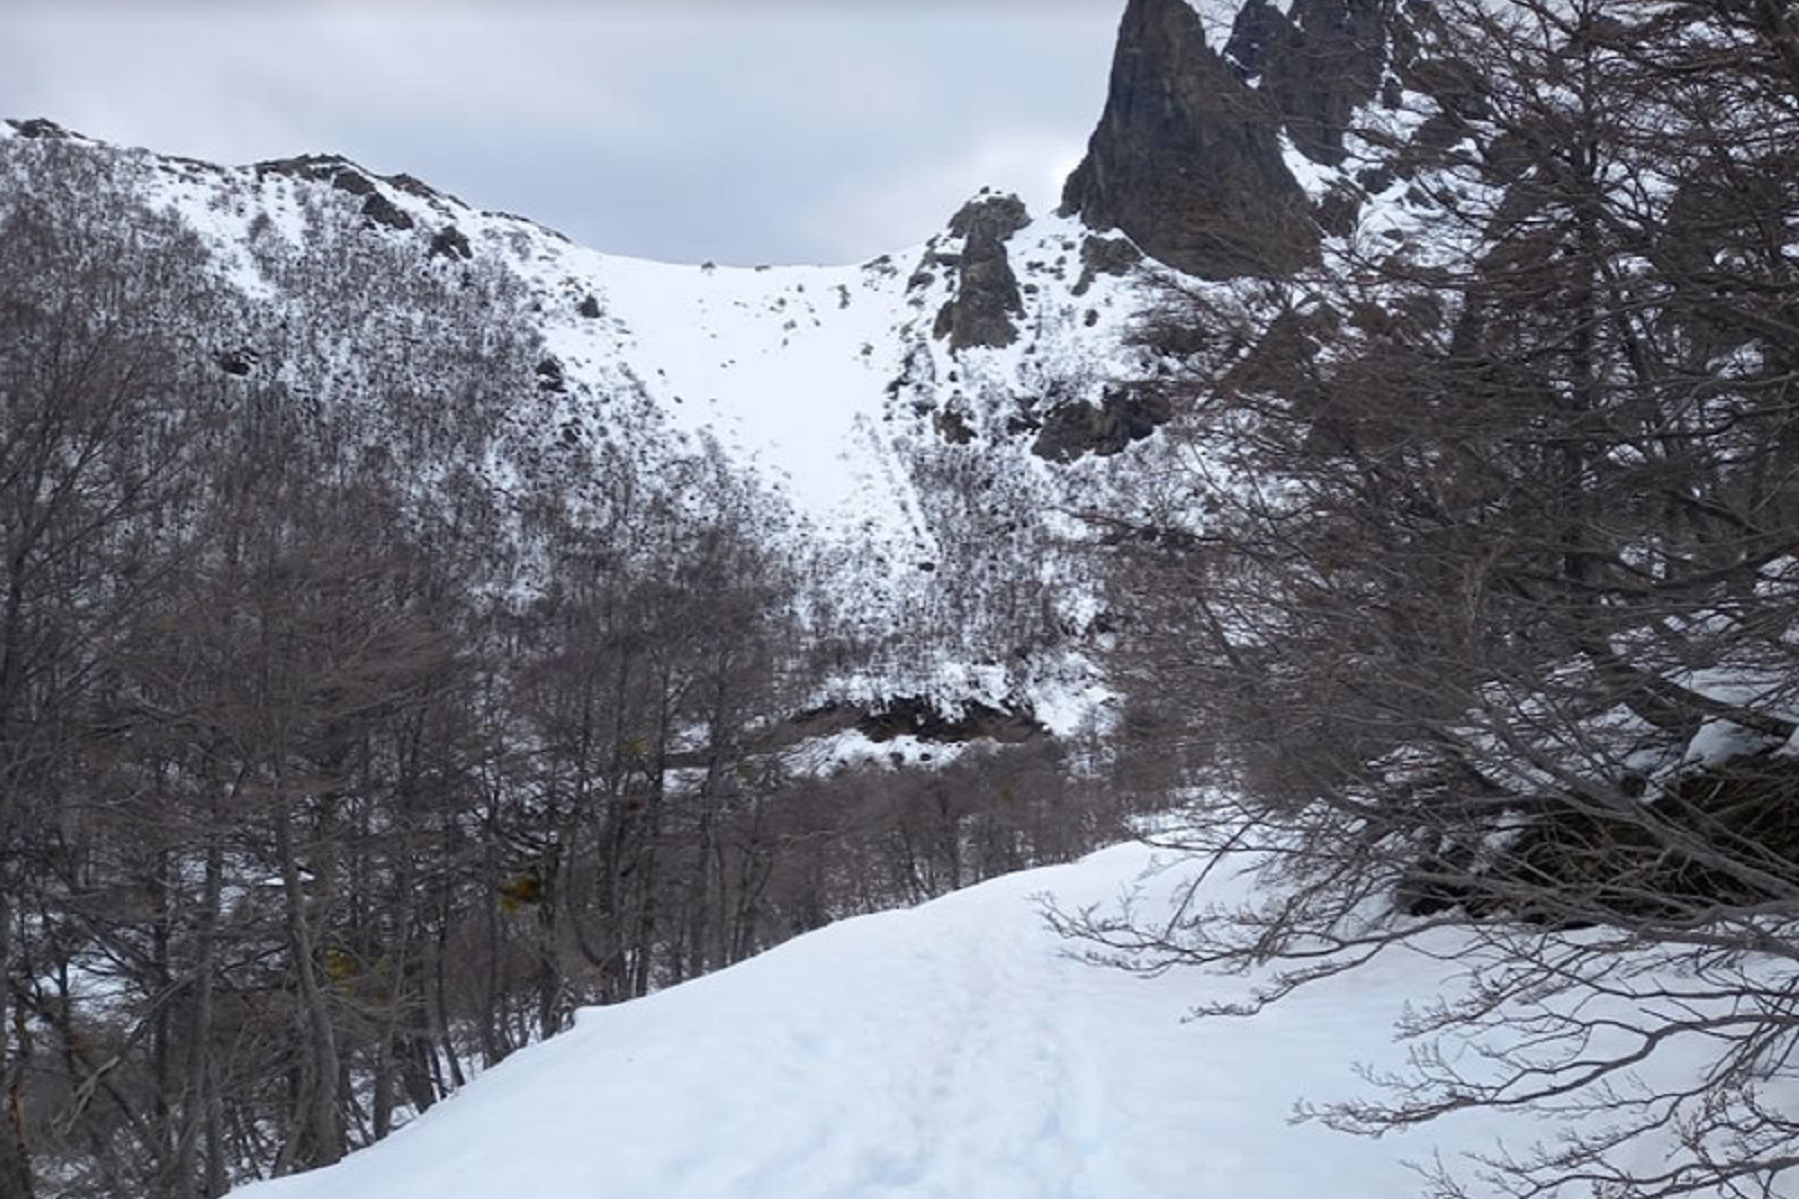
{"x":957,"y":1049}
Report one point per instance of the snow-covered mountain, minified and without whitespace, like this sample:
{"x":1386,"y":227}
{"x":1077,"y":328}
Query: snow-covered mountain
{"x":927,"y":452}
{"x":930,"y":418}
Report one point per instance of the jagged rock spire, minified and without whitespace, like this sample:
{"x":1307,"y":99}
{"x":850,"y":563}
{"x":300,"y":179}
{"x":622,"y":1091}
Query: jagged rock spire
{"x":1186,"y":160}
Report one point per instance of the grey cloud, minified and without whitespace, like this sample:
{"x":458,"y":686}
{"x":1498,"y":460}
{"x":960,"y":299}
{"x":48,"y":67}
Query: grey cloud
{"x":740,"y":133}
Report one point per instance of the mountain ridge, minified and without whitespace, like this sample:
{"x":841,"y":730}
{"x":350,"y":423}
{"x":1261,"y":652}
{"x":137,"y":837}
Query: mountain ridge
{"x":898,"y":378}
{"x":931,"y":416}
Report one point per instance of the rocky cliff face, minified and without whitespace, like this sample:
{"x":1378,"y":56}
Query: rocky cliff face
{"x":987,"y":297}
{"x":1317,"y":64}
{"x":1195,"y":156}
{"x":1187,"y":160}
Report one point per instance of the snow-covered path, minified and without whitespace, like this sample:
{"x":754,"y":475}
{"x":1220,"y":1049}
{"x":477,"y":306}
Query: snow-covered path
{"x":950,"y":1051}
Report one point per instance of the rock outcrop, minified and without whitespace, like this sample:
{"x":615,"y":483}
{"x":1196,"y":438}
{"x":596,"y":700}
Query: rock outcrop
{"x":921,"y":717}
{"x":41,"y":127}
{"x":986,"y":296}
{"x":1186,"y":160}
{"x":1124,"y":415}
{"x":1105,"y":256}
{"x":1317,"y":64}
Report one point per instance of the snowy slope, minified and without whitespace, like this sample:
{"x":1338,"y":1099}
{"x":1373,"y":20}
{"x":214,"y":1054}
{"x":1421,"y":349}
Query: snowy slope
{"x":828,"y":385}
{"x":907,"y":467}
{"x":954,"y":1051}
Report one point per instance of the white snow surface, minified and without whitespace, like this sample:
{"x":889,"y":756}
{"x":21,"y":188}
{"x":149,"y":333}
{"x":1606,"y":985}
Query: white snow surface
{"x":955,"y":1050}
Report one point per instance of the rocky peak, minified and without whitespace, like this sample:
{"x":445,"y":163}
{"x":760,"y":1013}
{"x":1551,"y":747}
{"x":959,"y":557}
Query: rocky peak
{"x":1186,"y":160}
{"x":990,"y":218}
{"x":1318,"y":63}
{"x":1259,"y":28}
{"x":40,"y":127}
{"x":986,"y":299}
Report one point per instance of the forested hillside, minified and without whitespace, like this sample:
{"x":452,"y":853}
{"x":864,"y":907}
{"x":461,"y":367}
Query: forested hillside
{"x":366,"y":705}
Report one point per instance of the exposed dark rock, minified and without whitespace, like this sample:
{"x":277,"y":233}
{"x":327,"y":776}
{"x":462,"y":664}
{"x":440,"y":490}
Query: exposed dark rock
{"x":945,"y":322}
{"x":1578,"y":864}
{"x":1326,"y":63}
{"x":589,"y":308}
{"x":1337,"y":211}
{"x":451,"y":242}
{"x":237,"y":362}
{"x":1290,"y":338}
{"x":1435,"y":883}
{"x":1323,"y":59}
{"x":412,"y":185}
{"x":1458,"y":86}
{"x":550,"y":376}
{"x":1186,"y":160}
{"x":345,"y":175}
{"x":1105,"y":256}
{"x":1124,"y":415}
{"x":513,"y":216}
{"x":1257,"y":29}
{"x":920,"y":718}
{"x":996,"y":216}
{"x":323,"y":168}
{"x":40,"y":127}
{"x":1435,"y":134}
{"x":917,"y":716}
{"x":987,"y":295}
{"x":953,"y":427}
{"x":193,"y":166}
{"x":918,"y":371}
{"x":1374,"y":180}
{"x":382,"y":211}
{"x":354,"y":182}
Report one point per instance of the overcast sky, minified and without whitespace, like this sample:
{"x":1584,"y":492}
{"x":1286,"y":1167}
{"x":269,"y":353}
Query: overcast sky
{"x":744,"y":132}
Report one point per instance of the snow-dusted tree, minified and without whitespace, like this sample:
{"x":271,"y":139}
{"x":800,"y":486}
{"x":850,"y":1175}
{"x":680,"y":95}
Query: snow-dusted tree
{"x":99,"y":418}
{"x":1486,"y":610}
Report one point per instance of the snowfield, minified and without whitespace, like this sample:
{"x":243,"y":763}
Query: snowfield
{"x":955,"y":1050}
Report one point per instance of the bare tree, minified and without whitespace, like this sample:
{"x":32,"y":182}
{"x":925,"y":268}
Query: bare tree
{"x":95,"y":441}
{"x":1486,"y":606}
{"x":330,"y":769}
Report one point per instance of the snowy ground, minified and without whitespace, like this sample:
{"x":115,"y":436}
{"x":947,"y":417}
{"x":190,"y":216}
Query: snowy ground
{"x":953,"y":1050}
